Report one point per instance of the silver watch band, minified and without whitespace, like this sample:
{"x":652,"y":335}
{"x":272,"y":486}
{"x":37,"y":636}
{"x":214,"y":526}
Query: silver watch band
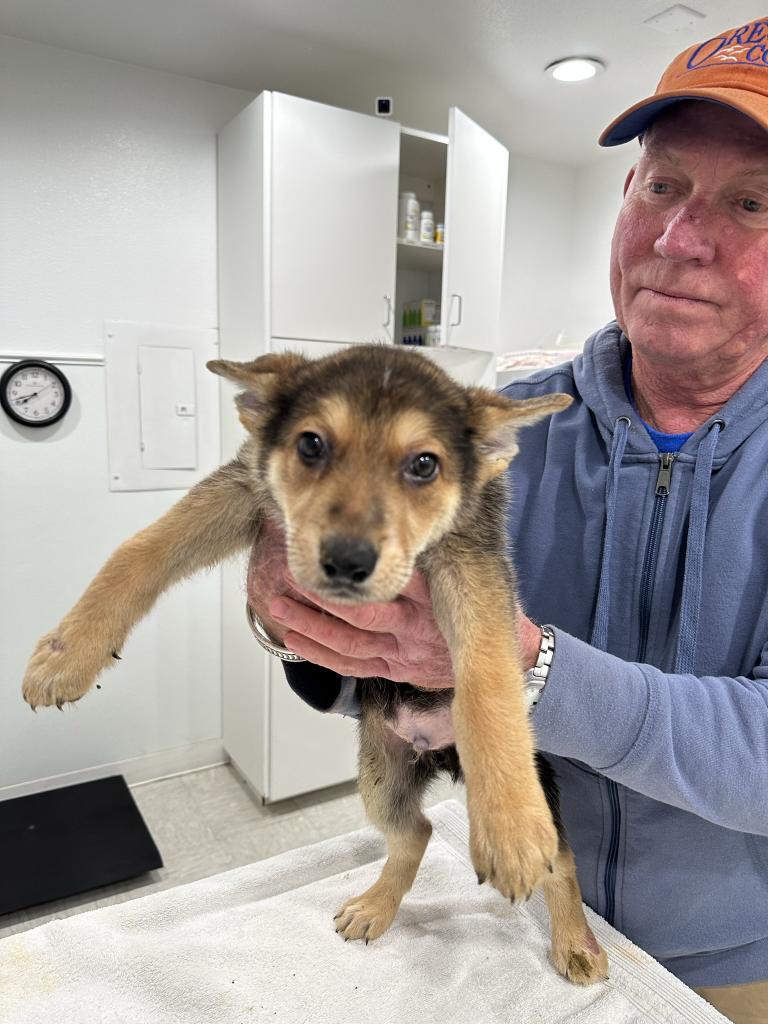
{"x":536,"y":678}
{"x":258,"y":630}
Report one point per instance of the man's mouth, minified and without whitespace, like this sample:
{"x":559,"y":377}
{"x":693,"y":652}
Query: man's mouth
{"x":680,"y":298}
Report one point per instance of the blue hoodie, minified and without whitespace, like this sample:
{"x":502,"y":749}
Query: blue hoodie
{"x":655,"y":714}
{"x":656,"y":707}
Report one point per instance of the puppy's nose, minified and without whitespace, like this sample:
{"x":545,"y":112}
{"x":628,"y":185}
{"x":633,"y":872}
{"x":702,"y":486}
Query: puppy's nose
{"x":347,"y":559}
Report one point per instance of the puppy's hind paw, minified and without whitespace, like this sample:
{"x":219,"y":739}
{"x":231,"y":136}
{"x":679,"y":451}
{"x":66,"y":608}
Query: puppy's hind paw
{"x":583,"y":963}
{"x":366,"y":917}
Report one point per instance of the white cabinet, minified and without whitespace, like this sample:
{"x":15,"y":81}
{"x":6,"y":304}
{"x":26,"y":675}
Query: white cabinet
{"x":334,"y":216}
{"x":462,"y":177}
{"x":309,"y":260}
{"x":475,"y":215}
{"x":279,"y":745}
{"x":308,"y":200}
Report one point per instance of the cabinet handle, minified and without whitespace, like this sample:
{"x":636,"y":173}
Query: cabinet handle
{"x":455,"y":295}
{"x":388,"y":300}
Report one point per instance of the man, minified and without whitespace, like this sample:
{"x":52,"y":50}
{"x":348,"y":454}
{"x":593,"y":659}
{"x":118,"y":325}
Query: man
{"x":639,"y":532}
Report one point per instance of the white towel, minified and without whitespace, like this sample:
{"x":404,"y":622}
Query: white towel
{"x":257,"y":944}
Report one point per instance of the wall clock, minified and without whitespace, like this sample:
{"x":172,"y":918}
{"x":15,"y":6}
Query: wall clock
{"x":35,"y":393}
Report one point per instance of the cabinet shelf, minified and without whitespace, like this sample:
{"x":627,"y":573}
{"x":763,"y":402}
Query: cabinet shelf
{"x":424,"y":256}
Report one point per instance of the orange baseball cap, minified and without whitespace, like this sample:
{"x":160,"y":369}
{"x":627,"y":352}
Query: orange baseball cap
{"x":730,"y":69}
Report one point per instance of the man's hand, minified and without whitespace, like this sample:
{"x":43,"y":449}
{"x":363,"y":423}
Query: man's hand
{"x":268,"y":577}
{"x":398,"y":640}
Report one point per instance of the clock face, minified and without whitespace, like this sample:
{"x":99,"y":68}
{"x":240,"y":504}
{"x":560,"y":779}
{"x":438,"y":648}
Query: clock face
{"x":35,"y":393}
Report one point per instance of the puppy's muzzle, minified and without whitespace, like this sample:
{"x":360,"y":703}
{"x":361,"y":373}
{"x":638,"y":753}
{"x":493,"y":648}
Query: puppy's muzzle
{"x":347,"y":560}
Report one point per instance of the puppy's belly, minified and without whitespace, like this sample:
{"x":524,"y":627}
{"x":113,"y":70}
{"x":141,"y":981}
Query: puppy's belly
{"x":424,"y":730}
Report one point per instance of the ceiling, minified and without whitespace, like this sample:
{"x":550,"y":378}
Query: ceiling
{"x":485,"y":56}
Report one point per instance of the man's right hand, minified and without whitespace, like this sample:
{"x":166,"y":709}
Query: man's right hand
{"x":268,"y":578}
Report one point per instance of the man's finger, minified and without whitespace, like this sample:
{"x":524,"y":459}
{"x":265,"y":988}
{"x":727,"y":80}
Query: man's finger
{"x":328,"y":630}
{"x":416,"y":589}
{"x":386,"y":617}
{"x":360,"y":668}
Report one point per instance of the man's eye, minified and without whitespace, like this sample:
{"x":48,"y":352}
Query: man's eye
{"x":310,"y":447}
{"x":658,"y":188}
{"x":423,"y":468}
{"x":751,"y":205}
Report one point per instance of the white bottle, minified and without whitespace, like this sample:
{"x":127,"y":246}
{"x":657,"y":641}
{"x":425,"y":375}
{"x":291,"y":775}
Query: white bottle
{"x":427,"y":227}
{"x":408,"y":225}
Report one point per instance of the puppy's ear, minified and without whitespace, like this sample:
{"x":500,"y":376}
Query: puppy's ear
{"x":262,"y":378}
{"x":279,"y":364}
{"x":497,"y":420}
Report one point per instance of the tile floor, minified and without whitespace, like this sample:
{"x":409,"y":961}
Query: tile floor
{"x":209,"y":821}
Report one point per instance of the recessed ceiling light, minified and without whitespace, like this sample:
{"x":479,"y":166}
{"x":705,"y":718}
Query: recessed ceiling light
{"x":575,"y":69}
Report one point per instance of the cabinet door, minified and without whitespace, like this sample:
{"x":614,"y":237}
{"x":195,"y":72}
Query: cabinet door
{"x":307,"y":750}
{"x":334,"y":222}
{"x":475,"y":215}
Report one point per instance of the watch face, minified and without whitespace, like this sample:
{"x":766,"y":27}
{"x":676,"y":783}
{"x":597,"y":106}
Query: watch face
{"x":35,"y":393}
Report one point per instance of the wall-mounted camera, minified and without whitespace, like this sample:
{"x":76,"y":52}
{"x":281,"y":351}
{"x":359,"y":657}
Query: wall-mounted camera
{"x":383,"y":106}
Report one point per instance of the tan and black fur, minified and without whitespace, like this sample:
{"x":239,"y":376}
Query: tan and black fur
{"x":341,"y":452}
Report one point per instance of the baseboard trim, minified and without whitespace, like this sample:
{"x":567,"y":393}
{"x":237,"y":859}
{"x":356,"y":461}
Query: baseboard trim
{"x":136,"y":770}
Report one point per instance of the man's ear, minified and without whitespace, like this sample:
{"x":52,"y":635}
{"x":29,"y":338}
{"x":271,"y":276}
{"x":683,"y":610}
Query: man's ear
{"x":497,"y":420}
{"x":262,"y":379}
{"x":628,"y":180}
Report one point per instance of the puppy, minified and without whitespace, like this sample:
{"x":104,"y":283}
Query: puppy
{"x":375,"y":462}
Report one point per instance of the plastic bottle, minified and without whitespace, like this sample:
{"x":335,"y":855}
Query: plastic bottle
{"x":408,"y":223}
{"x":427,"y":227}
{"x":440,"y":234}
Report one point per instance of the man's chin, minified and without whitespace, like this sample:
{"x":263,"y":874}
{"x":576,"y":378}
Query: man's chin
{"x":673,"y":335}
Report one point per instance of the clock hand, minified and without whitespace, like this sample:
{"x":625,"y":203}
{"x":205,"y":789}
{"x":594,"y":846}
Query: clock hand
{"x":26,"y":398}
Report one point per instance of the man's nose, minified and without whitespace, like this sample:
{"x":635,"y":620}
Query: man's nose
{"x":688,"y":235}
{"x":348,"y":559}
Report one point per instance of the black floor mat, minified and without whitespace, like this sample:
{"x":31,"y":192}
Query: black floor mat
{"x":71,"y":840}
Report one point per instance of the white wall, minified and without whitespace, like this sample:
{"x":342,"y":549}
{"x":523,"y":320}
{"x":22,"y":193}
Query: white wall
{"x":597,"y":198}
{"x":559,"y":227}
{"x":540,"y":213}
{"x":107,"y":211}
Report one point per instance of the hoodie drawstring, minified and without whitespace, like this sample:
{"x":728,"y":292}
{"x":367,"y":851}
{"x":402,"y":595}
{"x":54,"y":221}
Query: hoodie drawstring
{"x":694,"y":552}
{"x":599,"y":637}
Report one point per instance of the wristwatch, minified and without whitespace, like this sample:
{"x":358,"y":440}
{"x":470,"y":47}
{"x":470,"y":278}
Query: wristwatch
{"x":536,"y":678}
{"x":258,"y":630}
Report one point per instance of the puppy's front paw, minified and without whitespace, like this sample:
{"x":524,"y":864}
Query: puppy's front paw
{"x":63,"y":668}
{"x":512,"y":848}
{"x":367,"y":916}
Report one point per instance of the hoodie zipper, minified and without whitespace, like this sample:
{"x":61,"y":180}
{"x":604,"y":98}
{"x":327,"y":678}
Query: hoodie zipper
{"x":648,"y":577}
{"x":647,"y":580}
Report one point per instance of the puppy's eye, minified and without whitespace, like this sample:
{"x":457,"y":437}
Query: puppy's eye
{"x":310,"y":447}
{"x":423,"y":468}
